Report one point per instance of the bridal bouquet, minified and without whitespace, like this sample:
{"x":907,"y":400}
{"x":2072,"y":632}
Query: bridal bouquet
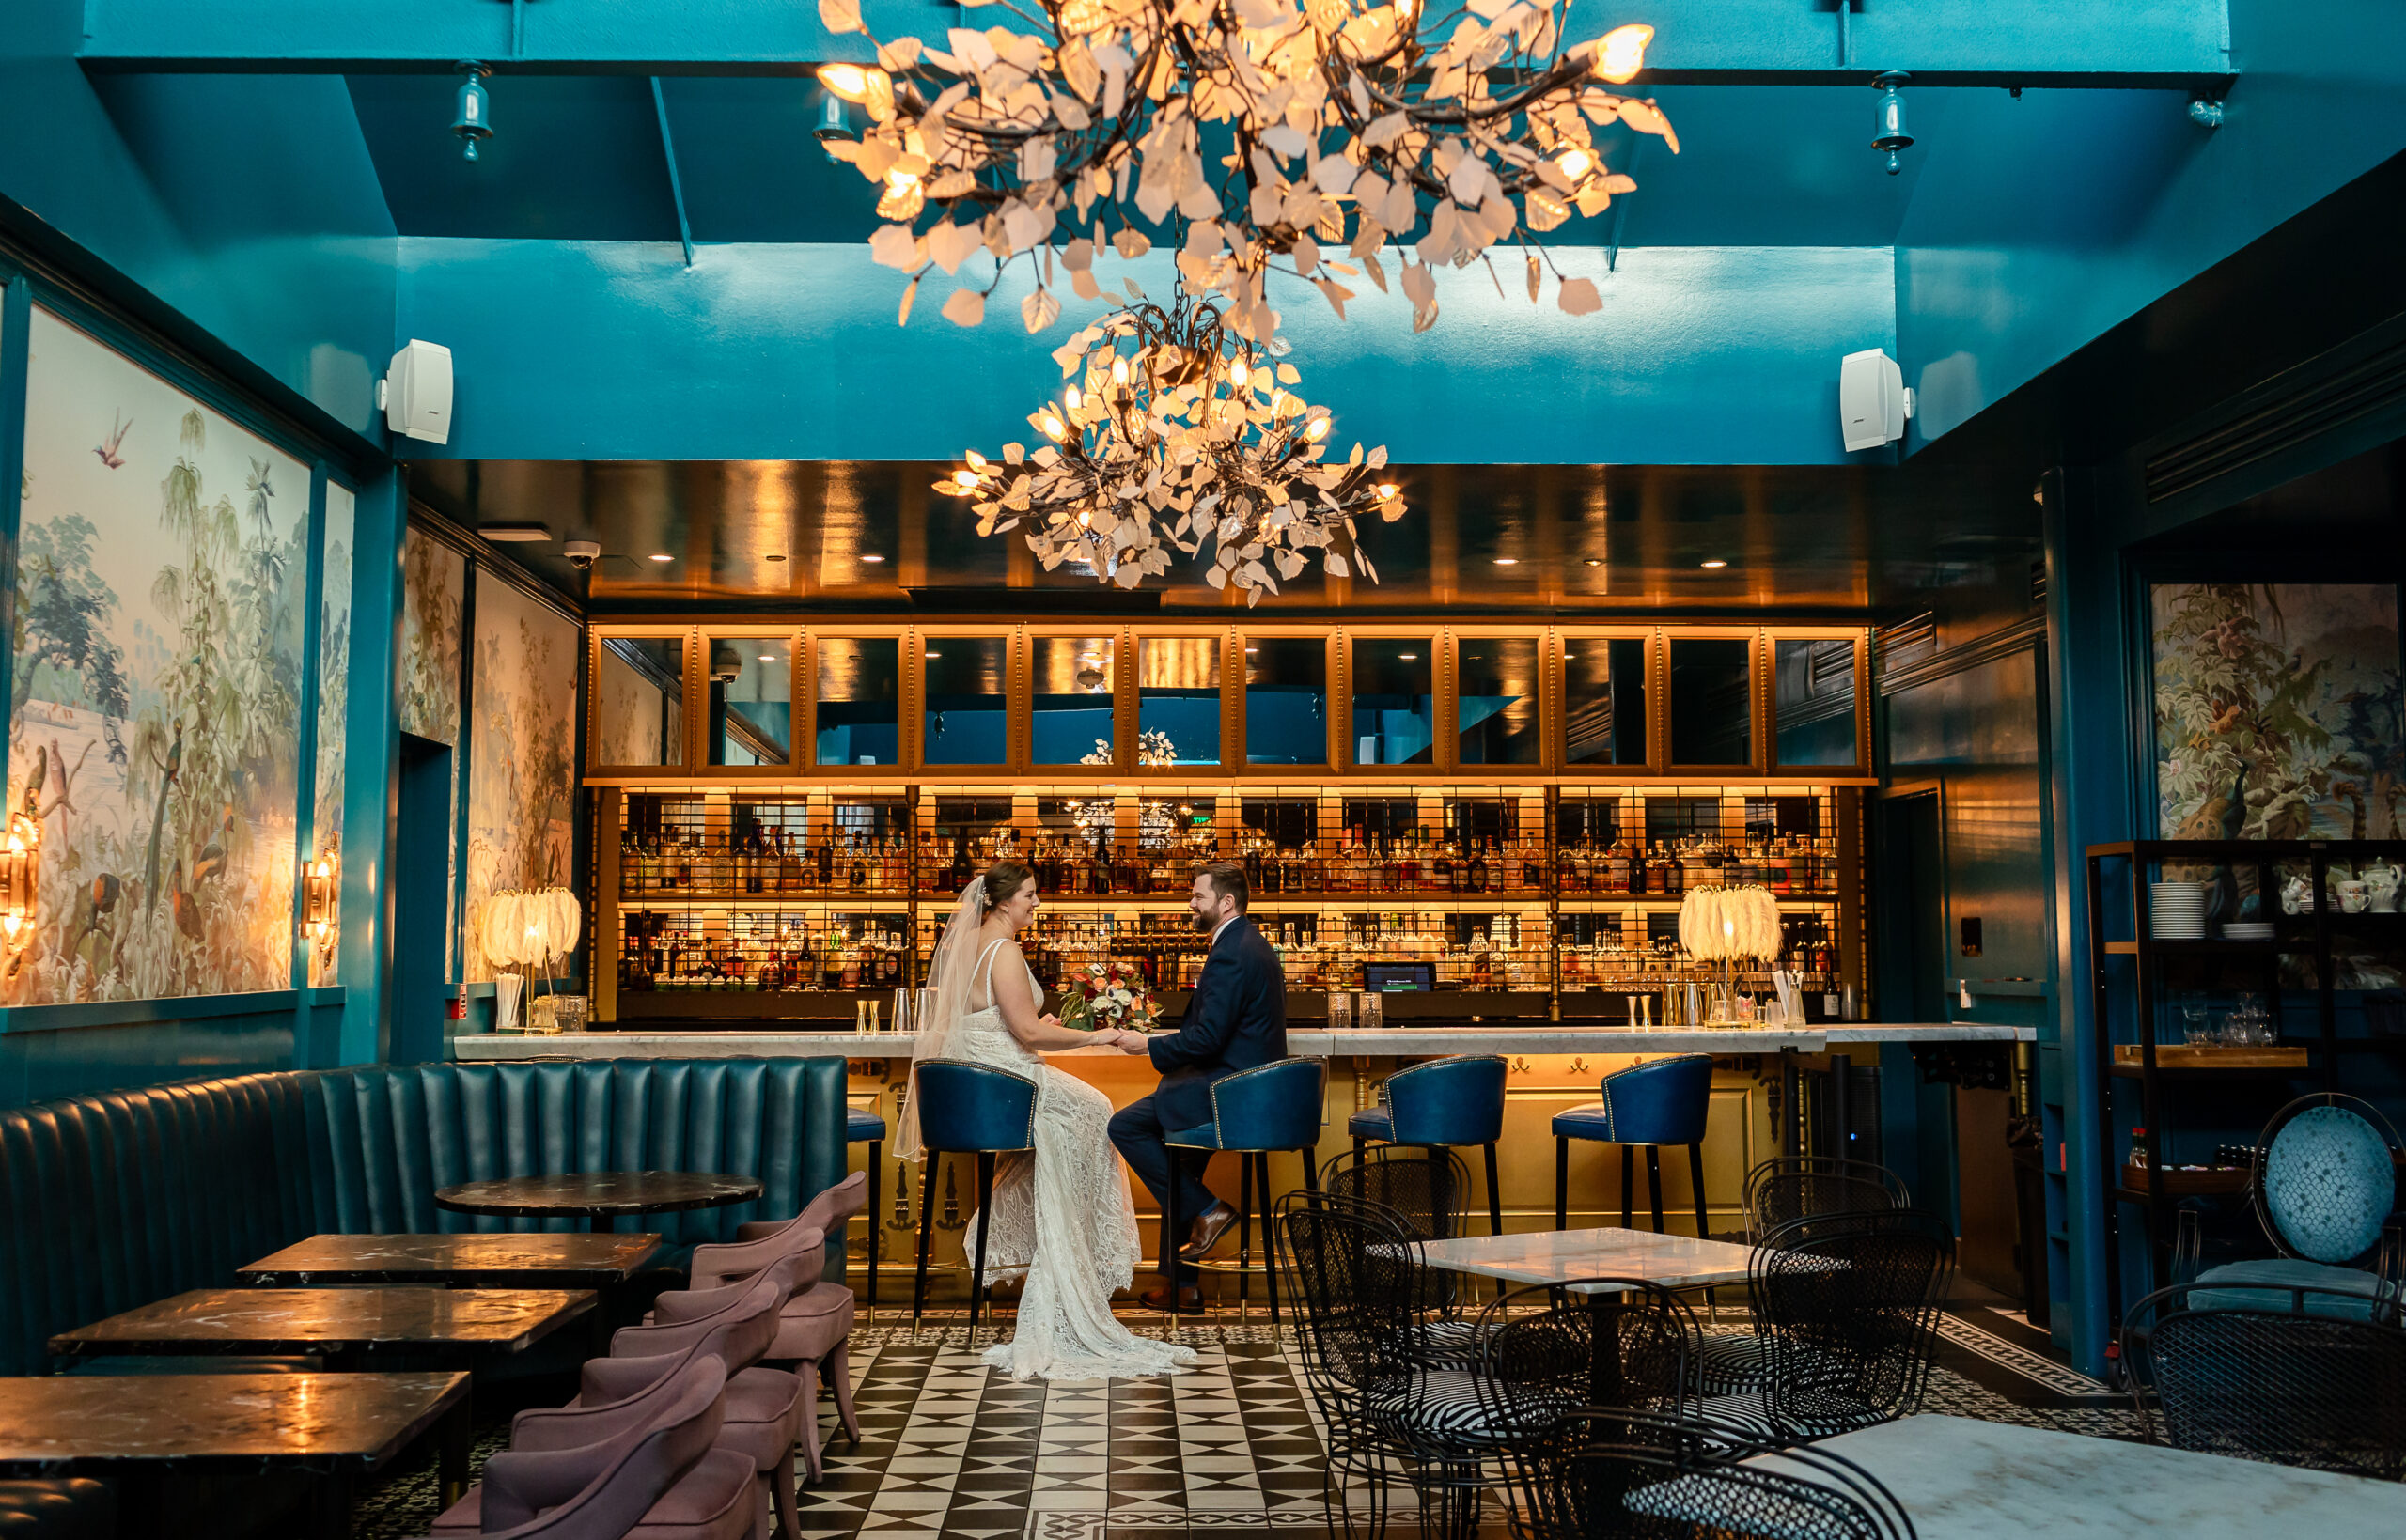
{"x":1107,"y":994}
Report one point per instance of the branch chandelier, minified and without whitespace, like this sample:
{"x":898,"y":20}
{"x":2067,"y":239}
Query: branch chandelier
{"x":1354,"y":125}
{"x":1172,"y":430}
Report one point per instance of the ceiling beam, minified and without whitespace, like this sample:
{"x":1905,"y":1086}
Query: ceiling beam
{"x":2166,"y":45}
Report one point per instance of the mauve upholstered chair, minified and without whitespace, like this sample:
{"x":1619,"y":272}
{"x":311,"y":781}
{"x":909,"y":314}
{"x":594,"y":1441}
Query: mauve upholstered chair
{"x":769,"y":1411}
{"x":815,"y":1329}
{"x":661,"y":1478}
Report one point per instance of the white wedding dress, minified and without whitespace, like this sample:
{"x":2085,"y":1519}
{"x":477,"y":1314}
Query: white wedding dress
{"x":1062,"y":1217}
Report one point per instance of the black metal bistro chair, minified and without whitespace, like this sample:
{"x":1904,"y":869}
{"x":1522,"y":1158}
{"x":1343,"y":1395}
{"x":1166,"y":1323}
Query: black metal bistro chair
{"x":2294,"y":1377}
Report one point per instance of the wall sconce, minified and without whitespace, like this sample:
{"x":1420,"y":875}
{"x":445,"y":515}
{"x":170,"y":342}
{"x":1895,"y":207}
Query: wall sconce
{"x":317,"y":902}
{"x":20,"y":880}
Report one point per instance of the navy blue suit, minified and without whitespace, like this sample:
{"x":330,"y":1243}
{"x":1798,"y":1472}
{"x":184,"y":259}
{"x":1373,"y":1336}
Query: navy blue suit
{"x":1237,"y":1019}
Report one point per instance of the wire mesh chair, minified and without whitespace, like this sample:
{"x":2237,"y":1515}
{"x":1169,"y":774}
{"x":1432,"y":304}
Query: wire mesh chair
{"x":1780,"y":1191}
{"x":1618,"y":1474}
{"x":2305,"y":1385}
{"x":1426,"y":1183}
{"x":1788,"y":1188}
{"x":1849,"y":1305}
{"x":1633,"y":1348}
{"x":1351,"y":1279}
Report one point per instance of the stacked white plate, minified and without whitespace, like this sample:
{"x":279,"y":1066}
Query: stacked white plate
{"x":2248,"y":930}
{"x":2178,"y":912}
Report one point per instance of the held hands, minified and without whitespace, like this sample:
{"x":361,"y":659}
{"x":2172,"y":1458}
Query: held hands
{"x":1129,"y":1042}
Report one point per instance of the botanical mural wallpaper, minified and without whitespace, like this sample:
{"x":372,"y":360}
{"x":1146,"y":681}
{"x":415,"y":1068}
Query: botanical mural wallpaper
{"x":153,"y":724}
{"x":522,"y":779}
{"x":333,"y":693}
{"x":434,"y":599}
{"x":2277,"y":711}
{"x":434,"y":591}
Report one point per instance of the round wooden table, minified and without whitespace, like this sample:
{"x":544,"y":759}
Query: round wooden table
{"x":597,"y":1196}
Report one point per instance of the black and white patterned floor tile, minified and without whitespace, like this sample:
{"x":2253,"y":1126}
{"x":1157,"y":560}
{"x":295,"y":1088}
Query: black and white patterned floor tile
{"x":950,"y":1450}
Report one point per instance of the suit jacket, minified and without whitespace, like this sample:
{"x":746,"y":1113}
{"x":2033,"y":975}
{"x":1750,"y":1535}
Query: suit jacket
{"x":1236,"y":1020}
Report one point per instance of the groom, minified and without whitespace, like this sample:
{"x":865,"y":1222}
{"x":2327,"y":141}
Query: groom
{"x":1236,"y":1020}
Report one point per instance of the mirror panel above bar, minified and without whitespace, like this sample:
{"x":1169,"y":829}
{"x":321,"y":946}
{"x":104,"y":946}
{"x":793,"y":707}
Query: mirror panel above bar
{"x":1482,"y":822}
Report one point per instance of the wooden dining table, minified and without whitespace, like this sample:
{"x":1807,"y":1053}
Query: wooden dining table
{"x":601,"y":1198}
{"x":150,"y":1435}
{"x":343,"y":1327}
{"x":475,"y":1260}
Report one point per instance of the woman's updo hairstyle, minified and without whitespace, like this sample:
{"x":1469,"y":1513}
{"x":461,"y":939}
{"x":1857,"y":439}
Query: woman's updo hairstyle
{"x":1003,"y":878}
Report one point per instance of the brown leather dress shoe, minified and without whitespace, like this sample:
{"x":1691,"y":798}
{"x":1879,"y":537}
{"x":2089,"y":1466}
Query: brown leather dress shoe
{"x":1208,"y":1231}
{"x":1190,"y":1300}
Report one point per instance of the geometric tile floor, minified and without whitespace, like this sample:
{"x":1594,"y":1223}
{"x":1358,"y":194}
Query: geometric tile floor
{"x":951,"y":1452}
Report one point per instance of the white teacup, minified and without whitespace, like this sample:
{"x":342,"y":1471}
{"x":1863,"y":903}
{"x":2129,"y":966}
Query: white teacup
{"x":2380,"y":884}
{"x":2353,"y":896}
{"x":2297,"y":896}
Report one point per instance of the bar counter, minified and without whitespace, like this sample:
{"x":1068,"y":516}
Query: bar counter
{"x":1373,"y":1043}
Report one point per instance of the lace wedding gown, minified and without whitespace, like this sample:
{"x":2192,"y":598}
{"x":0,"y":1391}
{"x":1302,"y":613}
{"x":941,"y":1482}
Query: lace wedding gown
{"x":1063,"y":1218}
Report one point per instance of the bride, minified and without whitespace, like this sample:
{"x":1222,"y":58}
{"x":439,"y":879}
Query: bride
{"x":1061,"y":1217}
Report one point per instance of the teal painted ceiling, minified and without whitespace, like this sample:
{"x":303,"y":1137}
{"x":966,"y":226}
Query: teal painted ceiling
{"x":579,"y":157}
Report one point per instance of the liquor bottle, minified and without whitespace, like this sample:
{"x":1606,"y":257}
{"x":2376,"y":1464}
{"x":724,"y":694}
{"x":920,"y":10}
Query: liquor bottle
{"x":1123,"y":872}
{"x":1532,"y":868}
{"x":1410,"y":869}
{"x":757,"y":861}
{"x":1390,"y":869}
{"x":960,"y":869}
{"x":826,"y":854}
{"x":1479,"y":871}
{"x":859,"y":872}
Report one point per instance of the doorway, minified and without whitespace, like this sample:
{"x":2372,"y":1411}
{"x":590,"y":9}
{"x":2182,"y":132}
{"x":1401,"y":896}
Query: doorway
{"x":421,"y":901}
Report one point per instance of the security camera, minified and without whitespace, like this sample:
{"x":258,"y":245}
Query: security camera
{"x":582,"y":555}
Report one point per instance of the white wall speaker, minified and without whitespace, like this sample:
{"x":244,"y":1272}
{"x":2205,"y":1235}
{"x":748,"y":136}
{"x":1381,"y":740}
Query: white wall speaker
{"x":416,"y":393}
{"x":1873,"y":402}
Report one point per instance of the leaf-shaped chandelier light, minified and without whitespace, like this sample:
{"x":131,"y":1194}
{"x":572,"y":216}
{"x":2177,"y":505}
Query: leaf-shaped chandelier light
{"x":1173,"y":431}
{"x":1354,"y":125}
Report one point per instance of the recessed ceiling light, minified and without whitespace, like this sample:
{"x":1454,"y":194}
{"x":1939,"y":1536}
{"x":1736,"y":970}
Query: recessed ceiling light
{"x":1508,"y":561}
{"x":1250,"y":651}
{"x":522,"y":533}
{"x":934,"y":654}
{"x":1409,"y":657}
{"x":873,"y":559}
{"x":768,"y":657}
{"x":1595,"y":561}
{"x":1714,"y":562}
{"x":662,"y":556}
{"x":774,"y":556}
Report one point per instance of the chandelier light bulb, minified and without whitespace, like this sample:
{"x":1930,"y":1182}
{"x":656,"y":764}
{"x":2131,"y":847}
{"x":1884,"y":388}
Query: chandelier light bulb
{"x":1238,"y":373}
{"x":1377,"y":133}
{"x":849,"y":81}
{"x":1054,"y":427}
{"x":1118,"y":371}
{"x":1387,"y":490}
{"x":964,"y":482}
{"x":1621,"y":53}
{"x":1072,"y":398}
{"x":1317,"y":429}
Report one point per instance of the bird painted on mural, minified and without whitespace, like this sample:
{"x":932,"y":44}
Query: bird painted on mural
{"x":31,"y":804}
{"x":187,"y":907}
{"x":106,"y":449}
{"x":170,"y":767}
{"x":95,"y":904}
{"x":211,"y":859}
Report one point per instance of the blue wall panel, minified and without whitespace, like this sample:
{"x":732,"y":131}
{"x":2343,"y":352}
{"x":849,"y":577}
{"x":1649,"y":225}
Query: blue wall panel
{"x":2041,"y":222}
{"x":575,"y":350}
{"x":39,"y":1065}
{"x":246,"y":203}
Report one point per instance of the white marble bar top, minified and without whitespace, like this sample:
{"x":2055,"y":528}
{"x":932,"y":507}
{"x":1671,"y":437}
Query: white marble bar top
{"x":1383,"y":1043}
{"x":1959,"y":1479}
{"x":1558,"y":1257}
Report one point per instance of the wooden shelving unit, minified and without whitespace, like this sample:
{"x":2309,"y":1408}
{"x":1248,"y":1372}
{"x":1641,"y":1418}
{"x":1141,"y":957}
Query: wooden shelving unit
{"x":2314,"y":936}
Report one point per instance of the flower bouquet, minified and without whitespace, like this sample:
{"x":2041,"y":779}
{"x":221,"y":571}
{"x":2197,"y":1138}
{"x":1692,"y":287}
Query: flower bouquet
{"x":1108,"y":994}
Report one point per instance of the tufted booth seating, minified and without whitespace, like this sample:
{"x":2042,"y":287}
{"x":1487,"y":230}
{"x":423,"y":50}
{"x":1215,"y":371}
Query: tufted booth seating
{"x":112,"y":1201}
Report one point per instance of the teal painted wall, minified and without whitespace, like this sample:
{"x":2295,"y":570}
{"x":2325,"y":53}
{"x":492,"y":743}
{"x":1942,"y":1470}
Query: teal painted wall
{"x":2041,"y":222}
{"x":246,"y":204}
{"x":610,"y":350}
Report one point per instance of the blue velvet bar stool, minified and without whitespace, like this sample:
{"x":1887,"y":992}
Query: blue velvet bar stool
{"x":1269,"y":1107}
{"x":862,"y":1125}
{"x":967,"y":1109}
{"x":1662,"y":1103}
{"x":1444,"y":1101}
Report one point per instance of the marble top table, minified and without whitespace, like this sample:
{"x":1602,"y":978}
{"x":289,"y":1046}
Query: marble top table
{"x":1959,"y":1479}
{"x":343,"y":1325}
{"x":141,"y":1432}
{"x":463,"y":1261}
{"x":1596,"y":1256}
{"x":600,"y":1196}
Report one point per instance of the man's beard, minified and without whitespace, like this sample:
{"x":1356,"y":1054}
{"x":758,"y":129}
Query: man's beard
{"x":1202,"y":923}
